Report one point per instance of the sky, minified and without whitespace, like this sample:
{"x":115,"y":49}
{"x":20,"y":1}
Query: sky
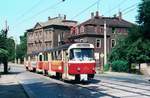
{"x":24,"y":14}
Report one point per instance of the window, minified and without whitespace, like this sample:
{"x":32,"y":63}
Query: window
{"x":46,"y":45}
{"x":81,"y":54}
{"x":50,"y":35}
{"x":101,"y":30}
{"x":96,"y":30}
{"x":98,"y":43}
{"x":50,"y":44}
{"x":73,"y":30}
{"x":45,"y":57}
{"x":113,"y":43}
{"x":40,"y":57}
{"x":113,"y":30}
{"x":59,"y":39}
{"x":76,"y":30}
{"x":81,"y":29}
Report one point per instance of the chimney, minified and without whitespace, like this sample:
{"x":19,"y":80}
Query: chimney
{"x":92,"y":15}
{"x":49,"y":18}
{"x":64,"y":17}
{"x":97,"y":14}
{"x":59,"y":15}
{"x":115,"y":15}
{"x":120,"y":15}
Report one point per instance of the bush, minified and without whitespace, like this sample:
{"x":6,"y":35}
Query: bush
{"x":120,"y":66}
{"x":106,"y":67}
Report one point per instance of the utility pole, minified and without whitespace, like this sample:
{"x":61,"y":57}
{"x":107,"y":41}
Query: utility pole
{"x":105,"y":44}
{"x":6,"y":61}
{"x":6,"y":28}
{"x":15,"y":51}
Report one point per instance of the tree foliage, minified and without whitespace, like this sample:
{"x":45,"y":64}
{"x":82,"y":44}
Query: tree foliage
{"x":135,"y":48}
{"x":3,"y":40}
{"x":120,"y":66}
{"x":22,"y":47}
{"x":3,"y":50}
{"x":3,"y":55}
{"x":11,"y":49}
{"x":144,"y":17}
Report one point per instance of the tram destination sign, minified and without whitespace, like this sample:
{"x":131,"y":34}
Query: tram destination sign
{"x":83,"y":45}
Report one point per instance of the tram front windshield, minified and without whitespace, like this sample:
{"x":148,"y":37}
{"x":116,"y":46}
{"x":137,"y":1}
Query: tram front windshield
{"x":82,"y":54}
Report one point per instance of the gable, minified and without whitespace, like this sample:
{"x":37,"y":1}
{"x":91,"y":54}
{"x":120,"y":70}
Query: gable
{"x":37,"y":26}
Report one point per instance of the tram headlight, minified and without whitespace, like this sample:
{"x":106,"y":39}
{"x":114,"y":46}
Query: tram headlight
{"x":78,"y":69}
{"x":59,"y":68}
{"x":93,"y":68}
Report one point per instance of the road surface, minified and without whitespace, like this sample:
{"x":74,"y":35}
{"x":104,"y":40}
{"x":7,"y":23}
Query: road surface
{"x":103,"y":86}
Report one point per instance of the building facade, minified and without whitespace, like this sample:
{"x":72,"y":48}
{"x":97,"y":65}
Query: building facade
{"x":49,"y":34}
{"x":92,"y":31}
{"x":57,"y":31}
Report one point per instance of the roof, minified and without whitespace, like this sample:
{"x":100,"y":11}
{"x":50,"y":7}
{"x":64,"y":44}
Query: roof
{"x":57,"y":21}
{"x":53,"y":21}
{"x":110,"y":21}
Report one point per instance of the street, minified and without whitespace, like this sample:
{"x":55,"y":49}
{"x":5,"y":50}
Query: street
{"x":109,"y":85}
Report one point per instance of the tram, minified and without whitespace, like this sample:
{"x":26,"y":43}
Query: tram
{"x":68,"y":62}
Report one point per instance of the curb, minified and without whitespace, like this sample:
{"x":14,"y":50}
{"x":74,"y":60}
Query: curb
{"x":27,"y":90}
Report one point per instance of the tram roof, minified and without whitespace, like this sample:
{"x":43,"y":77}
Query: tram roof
{"x":65,"y":46}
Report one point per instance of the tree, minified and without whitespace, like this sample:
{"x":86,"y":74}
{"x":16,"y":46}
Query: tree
{"x":11,"y":48}
{"x":3,"y":50}
{"x":144,"y":18}
{"x":135,"y":48}
{"x":22,"y":47}
{"x":7,"y":48}
{"x":4,"y":59}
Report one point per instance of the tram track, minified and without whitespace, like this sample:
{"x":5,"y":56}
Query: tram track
{"x":75,"y":84}
{"x":99,"y":87}
{"x":96,"y":91}
{"x":118,"y":86}
{"x":96,"y":87}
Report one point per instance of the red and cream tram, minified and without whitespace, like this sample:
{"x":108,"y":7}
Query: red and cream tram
{"x":68,"y":62}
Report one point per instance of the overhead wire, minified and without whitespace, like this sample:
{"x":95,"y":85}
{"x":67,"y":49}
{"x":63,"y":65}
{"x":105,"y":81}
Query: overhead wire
{"x":130,"y":7}
{"x":122,"y":2}
{"x":40,"y":12}
{"x":78,"y":14}
{"x":30,"y":9}
{"x":129,"y":11}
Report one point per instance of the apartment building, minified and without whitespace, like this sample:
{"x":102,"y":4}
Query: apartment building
{"x":46,"y":35}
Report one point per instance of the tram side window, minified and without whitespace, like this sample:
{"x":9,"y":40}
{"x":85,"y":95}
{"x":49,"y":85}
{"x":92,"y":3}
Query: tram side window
{"x":53,"y":56}
{"x":46,"y":57}
{"x":59,"y":55}
{"x":40,"y":57}
{"x":71,"y":55}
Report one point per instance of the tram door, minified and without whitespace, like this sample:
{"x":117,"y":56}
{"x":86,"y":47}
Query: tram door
{"x":40,"y":63}
{"x":40,"y":57}
{"x":65,"y":59}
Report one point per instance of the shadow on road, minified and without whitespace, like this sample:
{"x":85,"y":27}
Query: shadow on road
{"x":9,"y":73}
{"x":47,"y":89}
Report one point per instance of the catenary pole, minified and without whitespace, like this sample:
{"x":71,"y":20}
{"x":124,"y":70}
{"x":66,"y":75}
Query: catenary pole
{"x":105,"y":44}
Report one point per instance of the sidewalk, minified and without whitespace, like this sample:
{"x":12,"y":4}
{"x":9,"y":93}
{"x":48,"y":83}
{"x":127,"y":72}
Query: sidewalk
{"x":10,"y":88}
{"x":125,"y":76}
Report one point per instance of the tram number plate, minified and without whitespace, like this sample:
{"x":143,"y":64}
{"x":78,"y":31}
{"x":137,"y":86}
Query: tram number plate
{"x":83,"y":77}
